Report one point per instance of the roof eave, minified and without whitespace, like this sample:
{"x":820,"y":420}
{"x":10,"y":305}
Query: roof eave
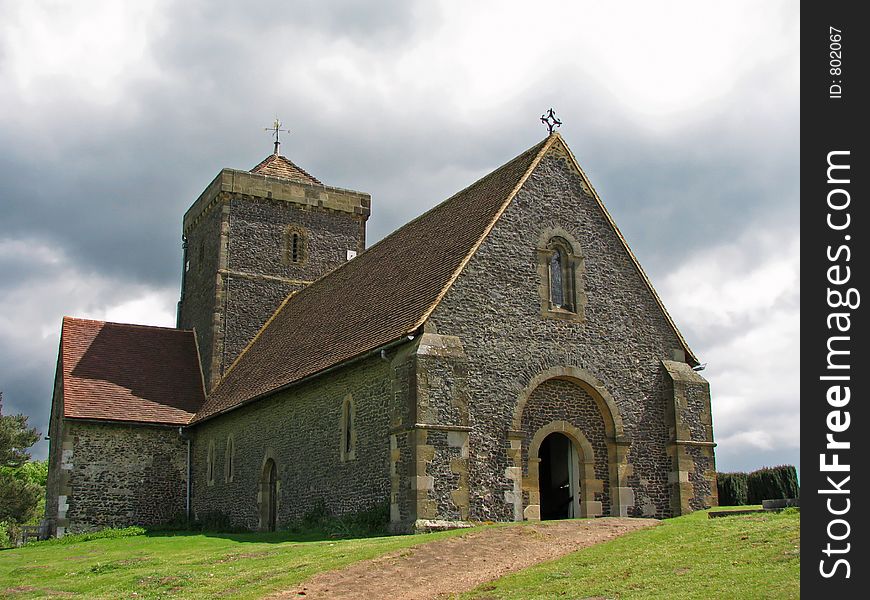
{"x":406,"y":338}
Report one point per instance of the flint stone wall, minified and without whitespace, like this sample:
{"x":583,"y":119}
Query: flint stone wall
{"x":495,"y":307}
{"x":240,"y":270}
{"x":197,"y":309}
{"x":300,"y":429}
{"x":121,"y":475}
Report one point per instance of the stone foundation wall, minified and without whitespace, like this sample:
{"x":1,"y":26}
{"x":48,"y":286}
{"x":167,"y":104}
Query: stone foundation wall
{"x":114,"y":475}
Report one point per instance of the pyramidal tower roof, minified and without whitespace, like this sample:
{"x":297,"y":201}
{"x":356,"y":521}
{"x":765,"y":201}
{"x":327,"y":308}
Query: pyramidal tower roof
{"x":282,"y":167}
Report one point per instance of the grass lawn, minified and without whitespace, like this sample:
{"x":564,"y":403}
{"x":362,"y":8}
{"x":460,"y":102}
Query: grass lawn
{"x":185,"y":565}
{"x":750,"y":556}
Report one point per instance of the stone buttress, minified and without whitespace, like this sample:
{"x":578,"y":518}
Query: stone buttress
{"x":429,"y":435}
{"x":692,"y":478}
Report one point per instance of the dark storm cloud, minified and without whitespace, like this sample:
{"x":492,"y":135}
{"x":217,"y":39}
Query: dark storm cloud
{"x":104,"y":182}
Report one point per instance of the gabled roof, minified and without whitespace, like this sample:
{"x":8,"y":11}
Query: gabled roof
{"x":281,"y":167}
{"x":385,"y":293}
{"x":120,"y":372}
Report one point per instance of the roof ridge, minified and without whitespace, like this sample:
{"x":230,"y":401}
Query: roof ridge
{"x":544,"y":147}
{"x":86,"y":320}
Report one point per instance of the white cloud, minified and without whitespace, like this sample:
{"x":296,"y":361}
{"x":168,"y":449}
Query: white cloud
{"x":740,"y":304}
{"x":30,"y":319}
{"x":87,"y":47}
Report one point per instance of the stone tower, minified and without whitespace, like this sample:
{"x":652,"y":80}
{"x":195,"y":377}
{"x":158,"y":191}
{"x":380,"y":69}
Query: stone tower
{"x":252,"y":238}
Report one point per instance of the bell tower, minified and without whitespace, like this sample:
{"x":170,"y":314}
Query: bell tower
{"x":251,"y":239}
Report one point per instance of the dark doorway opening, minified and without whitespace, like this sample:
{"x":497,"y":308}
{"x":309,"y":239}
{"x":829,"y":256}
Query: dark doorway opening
{"x":556,"y":477}
{"x":270,"y":483}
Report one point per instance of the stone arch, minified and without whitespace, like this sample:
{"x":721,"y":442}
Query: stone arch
{"x":621,"y":496}
{"x":559,"y":232}
{"x":588,"y":485}
{"x":606,"y":405}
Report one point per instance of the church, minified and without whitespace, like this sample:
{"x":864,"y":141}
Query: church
{"x":502,"y":357}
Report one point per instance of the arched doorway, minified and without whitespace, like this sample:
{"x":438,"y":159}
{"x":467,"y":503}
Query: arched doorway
{"x":269,"y":496}
{"x":558,"y":477}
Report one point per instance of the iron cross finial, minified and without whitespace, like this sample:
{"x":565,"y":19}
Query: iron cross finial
{"x":276,"y":130}
{"x":550,"y":120}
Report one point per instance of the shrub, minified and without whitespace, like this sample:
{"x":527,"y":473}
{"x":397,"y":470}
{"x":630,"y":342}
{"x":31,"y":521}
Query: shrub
{"x":771,"y":483}
{"x":733,"y":489}
{"x":366,"y":522}
{"x":102,"y":534}
{"x":217,"y":522}
{"x":767,"y":483}
{"x":5,"y":538}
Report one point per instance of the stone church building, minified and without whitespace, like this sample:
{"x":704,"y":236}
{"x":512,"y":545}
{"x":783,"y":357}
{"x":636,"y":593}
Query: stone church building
{"x":501,"y":357}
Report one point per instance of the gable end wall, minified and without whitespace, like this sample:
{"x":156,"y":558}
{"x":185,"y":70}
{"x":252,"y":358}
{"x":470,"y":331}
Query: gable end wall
{"x":494,"y":307}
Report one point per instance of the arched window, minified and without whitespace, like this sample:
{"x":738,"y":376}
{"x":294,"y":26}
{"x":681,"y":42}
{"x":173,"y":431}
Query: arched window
{"x":209,"y":463}
{"x":561,"y":270}
{"x":557,"y":290}
{"x":230,"y":459}
{"x":561,"y":275}
{"x":295,"y":245}
{"x":348,"y":432}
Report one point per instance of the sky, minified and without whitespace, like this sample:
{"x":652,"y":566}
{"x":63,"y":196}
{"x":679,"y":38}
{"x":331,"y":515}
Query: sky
{"x":114,"y":116}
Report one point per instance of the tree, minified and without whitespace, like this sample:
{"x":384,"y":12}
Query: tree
{"x":15,"y":438}
{"x":19,"y":494}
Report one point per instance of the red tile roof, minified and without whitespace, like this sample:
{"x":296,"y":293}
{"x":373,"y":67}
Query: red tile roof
{"x":120,"y":372}
{"x":383,"y":294}
{"x":281,"y":167}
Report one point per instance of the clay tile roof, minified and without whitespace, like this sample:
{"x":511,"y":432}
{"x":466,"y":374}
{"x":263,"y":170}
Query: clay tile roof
{"x":120,"y":372}
{"x":281,"y":167}
{"x":380,"y":296}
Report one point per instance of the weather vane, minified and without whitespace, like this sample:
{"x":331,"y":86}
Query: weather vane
{"x":276,"y":130}
{"x":550,"y":120}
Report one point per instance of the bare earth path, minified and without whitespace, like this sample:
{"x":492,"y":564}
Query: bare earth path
{"x":443,"y":567}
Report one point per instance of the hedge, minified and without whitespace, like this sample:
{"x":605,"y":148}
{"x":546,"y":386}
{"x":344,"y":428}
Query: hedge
{"x":768,"y":483}
{"x":733,"y":489}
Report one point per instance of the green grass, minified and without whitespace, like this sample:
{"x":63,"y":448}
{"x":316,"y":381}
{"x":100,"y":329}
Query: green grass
{"x":751,"y":556}
{"x":185,"y":565}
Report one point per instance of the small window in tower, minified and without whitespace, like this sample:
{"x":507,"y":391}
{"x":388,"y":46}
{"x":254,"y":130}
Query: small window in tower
{"x":295,"y":245}
{"x":295,"y":248}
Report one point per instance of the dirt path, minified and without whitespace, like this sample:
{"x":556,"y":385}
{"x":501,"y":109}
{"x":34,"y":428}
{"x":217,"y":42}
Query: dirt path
{"x":442,"y":567}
